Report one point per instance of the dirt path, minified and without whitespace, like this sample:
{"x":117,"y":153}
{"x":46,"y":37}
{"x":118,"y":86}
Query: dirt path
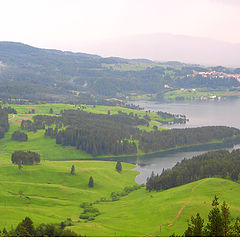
{"x":186,"y":203}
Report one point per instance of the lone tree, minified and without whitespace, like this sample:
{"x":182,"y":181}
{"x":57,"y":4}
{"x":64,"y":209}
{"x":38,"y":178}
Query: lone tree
{"x":19,"y":136}
{"x":119,"y":166}
{"x":91,"y":183}
{"x":19,"y":163}
{"x":73,"y":170}
{"x":50,"y":111}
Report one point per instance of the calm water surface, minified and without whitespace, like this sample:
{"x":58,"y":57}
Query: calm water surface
{"x":225,"y":113}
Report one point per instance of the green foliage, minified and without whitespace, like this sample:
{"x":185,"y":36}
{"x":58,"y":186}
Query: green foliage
{"x":119,"y":166}
{"x":89,"y":213}
{"x":166,"y":139}
{"x":50,"y":111}
{"x":219,"y":163}
{"x":91,"y":183}
{"x":4,"y":125}
{"x":73,"y":170}
{"x":220,"y":223}
{"x":25,"y":157}
{"x":19,"y":136}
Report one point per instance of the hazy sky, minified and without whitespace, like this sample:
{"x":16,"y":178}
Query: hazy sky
{"x":64,"y":24}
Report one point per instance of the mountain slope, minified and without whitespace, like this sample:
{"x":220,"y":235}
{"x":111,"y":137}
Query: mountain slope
{"x":42,"y":74}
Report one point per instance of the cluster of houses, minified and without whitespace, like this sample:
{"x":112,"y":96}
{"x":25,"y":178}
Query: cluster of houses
{"x":214,"y":74}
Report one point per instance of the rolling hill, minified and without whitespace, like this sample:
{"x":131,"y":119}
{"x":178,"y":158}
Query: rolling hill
{"x":32,"y":73}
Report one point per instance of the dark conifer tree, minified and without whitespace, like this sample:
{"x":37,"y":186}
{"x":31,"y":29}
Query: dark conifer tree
{"x":119,"y":166}
{"x":91,"y":183}
{"x":73,"y":170}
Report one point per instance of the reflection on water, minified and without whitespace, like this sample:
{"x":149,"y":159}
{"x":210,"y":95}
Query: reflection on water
{"x":199,"y":114}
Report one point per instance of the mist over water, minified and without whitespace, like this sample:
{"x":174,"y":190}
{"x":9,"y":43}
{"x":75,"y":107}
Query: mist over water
{"x":223,"y":113}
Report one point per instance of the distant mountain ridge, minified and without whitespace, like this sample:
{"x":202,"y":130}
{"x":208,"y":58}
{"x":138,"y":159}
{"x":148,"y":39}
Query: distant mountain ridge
{"x":167,"y":47}
{"x":45,"y":74}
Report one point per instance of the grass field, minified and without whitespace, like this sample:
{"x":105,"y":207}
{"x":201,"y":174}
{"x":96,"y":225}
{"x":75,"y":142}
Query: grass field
{"x":55,"y":195}
{"x":143,"y":213}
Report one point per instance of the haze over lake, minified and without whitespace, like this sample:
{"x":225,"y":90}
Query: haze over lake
{"x":199,"y":114}
{"x":222,"y":113}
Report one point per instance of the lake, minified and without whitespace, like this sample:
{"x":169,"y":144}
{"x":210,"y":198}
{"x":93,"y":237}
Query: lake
{"x":223,"y":113}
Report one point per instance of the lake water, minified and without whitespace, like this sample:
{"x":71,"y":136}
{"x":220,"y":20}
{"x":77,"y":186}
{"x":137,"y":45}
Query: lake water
{"x":225,"y":113}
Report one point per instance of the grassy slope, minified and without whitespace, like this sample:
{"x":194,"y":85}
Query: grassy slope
{"x":143,"y":214}
{"x":54,"y":194}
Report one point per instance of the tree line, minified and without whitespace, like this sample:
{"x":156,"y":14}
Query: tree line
{"x":220,"y":163}
{"x":160,"y":140}
{"x":9,"y":110}
{"x":26,"y":228}
{"x":105,"y":134}
{"x":220,"y":223}
{"x":4,"y":124}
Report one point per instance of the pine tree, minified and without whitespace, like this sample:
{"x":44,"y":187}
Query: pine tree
{"x":20,"y":165}
{"x":225,"y":218}
{"x":91,"y":183}
{"x":195,"y":229}
{"x":73,"y":170}
{"x":119,"y":166}
{"x":25,"y":228}
{"x":215,"y":226}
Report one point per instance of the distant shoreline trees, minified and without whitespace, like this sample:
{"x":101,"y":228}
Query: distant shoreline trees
{"x":220,"y":163}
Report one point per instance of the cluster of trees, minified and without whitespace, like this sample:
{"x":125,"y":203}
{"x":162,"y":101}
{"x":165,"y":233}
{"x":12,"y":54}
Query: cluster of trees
{"x":19,"y":136}
{"x":98,"y":134}
{"x":220,"y":223}
{"x":4,"y":125}
{"x":25,"y":157}
{"x":26,"y":229}
{"x":159,"y":140}
{"x":220,"y":163}
{"x":40,"y":122}
{"x":9,"y":110}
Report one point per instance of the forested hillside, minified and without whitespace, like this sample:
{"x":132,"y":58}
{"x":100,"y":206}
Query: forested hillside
{"x":117,"y":134}
{"x":220,"y":163}
{"x":40,"y":74}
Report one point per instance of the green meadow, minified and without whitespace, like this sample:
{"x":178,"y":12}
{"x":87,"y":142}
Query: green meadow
{"x":49,"y":193}
{"x":144,"y":213}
